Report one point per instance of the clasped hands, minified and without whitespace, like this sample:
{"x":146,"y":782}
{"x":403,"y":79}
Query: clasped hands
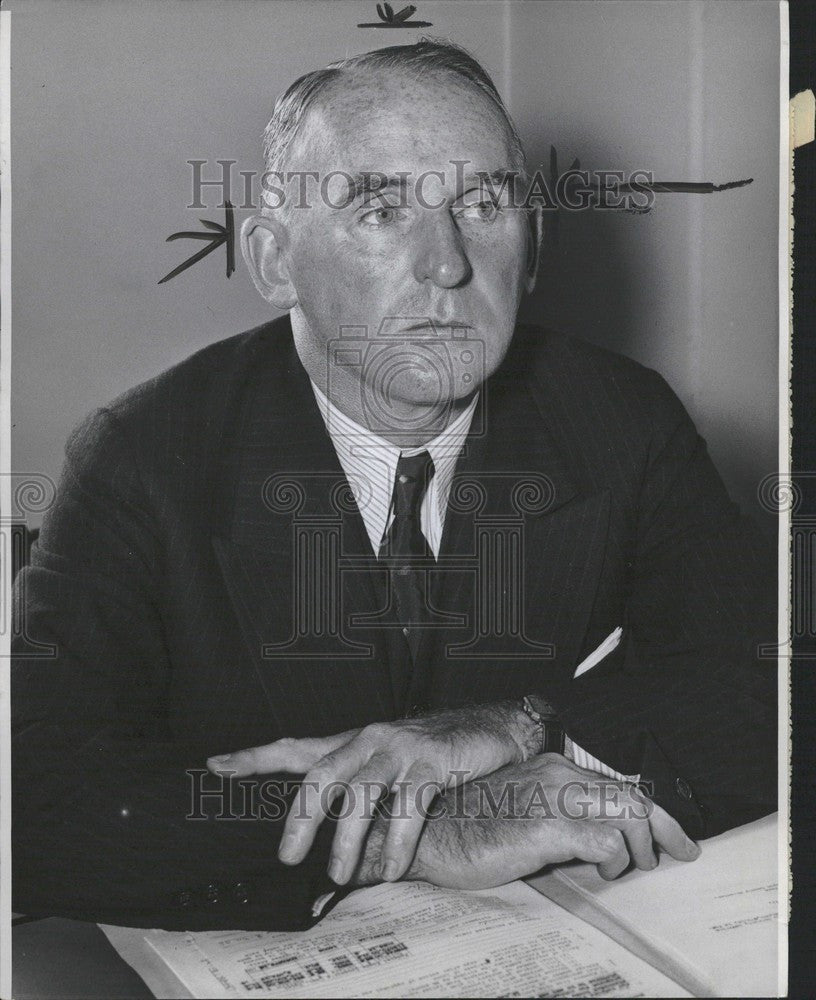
{"x":465,"y":806}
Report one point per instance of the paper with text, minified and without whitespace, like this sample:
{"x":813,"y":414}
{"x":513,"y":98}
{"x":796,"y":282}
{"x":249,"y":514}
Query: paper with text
{"x":417,"y":940}
{"x":710,"y":924}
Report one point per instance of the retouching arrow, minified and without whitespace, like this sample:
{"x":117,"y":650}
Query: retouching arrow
{"x":388,"y":19}
{"x":220,"y":234}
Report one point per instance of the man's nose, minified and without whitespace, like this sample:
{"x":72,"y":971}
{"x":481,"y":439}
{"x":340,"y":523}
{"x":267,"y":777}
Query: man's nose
{"x":441,"y":256}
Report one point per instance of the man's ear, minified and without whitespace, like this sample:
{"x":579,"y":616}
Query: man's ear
{"x":263,"y":243}
{"x":535,"y":234}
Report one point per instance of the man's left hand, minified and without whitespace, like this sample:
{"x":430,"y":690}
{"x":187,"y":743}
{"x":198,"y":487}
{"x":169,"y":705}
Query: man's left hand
{"x":414,"y":758}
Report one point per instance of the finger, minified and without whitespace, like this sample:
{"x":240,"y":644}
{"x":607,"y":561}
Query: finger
{"x":293,"y":756}
{"x":319,"y":788}
{"x":669,"y":836}
{"x":638,"y":837}
{"x":617,"y":863}
{"x":630,"y":815}
{"x":620,"y":805}
{"x":416,"y":793}
{"x":363,"y":792}
{"x":600,"y":843}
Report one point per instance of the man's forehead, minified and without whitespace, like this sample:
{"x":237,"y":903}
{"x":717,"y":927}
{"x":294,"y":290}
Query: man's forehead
{"x":411,"y":125}
{"x":381,"y":90}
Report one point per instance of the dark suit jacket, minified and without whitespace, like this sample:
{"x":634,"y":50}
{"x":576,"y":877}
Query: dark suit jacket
{"x":165,"y":617}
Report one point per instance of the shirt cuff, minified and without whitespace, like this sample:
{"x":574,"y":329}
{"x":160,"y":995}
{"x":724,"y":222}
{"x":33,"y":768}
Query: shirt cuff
{"x":580,"y":757}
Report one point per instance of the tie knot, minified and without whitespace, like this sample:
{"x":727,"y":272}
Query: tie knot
{"x":413,"y":474}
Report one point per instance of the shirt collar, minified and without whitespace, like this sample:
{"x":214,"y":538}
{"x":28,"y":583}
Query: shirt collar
{"x":370,"y":462}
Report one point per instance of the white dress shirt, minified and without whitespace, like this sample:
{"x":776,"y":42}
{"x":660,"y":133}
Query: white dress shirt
{"x":370,"y":464}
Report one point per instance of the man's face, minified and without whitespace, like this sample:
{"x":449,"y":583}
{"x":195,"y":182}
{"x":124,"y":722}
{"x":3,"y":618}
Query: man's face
{"x":419,"y":264}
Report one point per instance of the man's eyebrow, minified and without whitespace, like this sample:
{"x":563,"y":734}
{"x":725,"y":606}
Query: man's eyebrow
{"x":498,"y":176}
{"x":371,"y":182}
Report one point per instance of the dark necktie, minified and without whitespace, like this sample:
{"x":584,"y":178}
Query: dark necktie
{"x":404,"y":548}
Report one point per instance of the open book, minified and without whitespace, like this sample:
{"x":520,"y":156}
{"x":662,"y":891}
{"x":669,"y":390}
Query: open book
{"x":711,"y":925}
{"x":707,"y":928}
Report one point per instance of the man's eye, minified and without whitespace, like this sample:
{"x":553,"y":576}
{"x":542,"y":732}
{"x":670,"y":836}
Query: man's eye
{"x":482,"y":211}
{"x":382,"y":216}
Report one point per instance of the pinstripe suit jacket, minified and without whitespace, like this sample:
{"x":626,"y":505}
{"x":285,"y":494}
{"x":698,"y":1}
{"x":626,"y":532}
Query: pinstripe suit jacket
{"x":204,"y":583}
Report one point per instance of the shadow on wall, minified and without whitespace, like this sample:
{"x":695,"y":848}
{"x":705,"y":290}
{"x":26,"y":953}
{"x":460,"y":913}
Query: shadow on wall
{"x":584,"y":284}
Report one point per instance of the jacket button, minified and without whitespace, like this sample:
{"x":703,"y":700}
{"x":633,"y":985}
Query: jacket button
{"x":682,"y":788}
{"x":184,"y":898}
{"x":240,"y":892}
{"x":211,"y":893}
{"x":419,"y":709}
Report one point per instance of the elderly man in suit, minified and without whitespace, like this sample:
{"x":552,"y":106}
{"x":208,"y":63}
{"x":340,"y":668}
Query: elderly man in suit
{"x":394,"y":542}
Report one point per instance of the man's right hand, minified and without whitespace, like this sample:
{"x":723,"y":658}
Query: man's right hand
{"x":553,"y":811}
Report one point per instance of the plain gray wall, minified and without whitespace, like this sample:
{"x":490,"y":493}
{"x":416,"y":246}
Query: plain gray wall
{"x":110,"y":99}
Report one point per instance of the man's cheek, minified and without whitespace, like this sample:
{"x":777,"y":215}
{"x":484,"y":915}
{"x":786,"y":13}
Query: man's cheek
{"x":499,"y":276}
{"x":366,"y":277}
{"x":509,"y":278}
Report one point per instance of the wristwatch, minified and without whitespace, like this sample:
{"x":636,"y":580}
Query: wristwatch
{"x":552,"y":736}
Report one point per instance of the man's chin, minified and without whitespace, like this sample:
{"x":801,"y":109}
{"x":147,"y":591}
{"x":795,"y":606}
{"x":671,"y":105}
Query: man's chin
{"x":433,"y":396}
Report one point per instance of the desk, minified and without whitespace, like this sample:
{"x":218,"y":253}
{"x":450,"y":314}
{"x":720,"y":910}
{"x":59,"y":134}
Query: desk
{"x":55,"y":959}
{"x":719,"y":937}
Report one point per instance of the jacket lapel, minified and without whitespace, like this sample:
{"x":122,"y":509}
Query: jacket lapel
{"x":296,"y":559}
{"x":521,"y":555}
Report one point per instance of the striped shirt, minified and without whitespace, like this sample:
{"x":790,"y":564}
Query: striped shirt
{"x":370,"y":465}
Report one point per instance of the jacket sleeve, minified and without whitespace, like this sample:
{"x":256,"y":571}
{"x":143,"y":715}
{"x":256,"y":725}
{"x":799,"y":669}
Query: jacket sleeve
{"x":689,"y":699}
{"x":106,"y":825}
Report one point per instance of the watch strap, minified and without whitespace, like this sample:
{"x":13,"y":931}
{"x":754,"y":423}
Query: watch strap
{"x":553,"y":737}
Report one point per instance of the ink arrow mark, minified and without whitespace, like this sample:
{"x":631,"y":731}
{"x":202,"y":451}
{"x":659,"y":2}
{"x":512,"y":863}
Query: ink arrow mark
{"x":219,"y":234}
{"x":642,"y":187}
{"x":679,"y":187}
{"x":685,"y":187}
{"x":388,"y":19}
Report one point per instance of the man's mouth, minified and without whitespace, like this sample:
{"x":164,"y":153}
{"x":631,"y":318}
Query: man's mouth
{"x":430,"y":323}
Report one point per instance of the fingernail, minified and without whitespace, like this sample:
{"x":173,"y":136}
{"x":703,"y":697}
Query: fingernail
{"x":286,"y":851}
{"x":220,"y":759}
{"x":653,"y":864}
{"x":336,"y":870}
{"x":389,"y":870}
{"x":694,"y":849}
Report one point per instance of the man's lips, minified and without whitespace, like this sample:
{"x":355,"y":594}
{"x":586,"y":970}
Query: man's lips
{"x":436,"y":324}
